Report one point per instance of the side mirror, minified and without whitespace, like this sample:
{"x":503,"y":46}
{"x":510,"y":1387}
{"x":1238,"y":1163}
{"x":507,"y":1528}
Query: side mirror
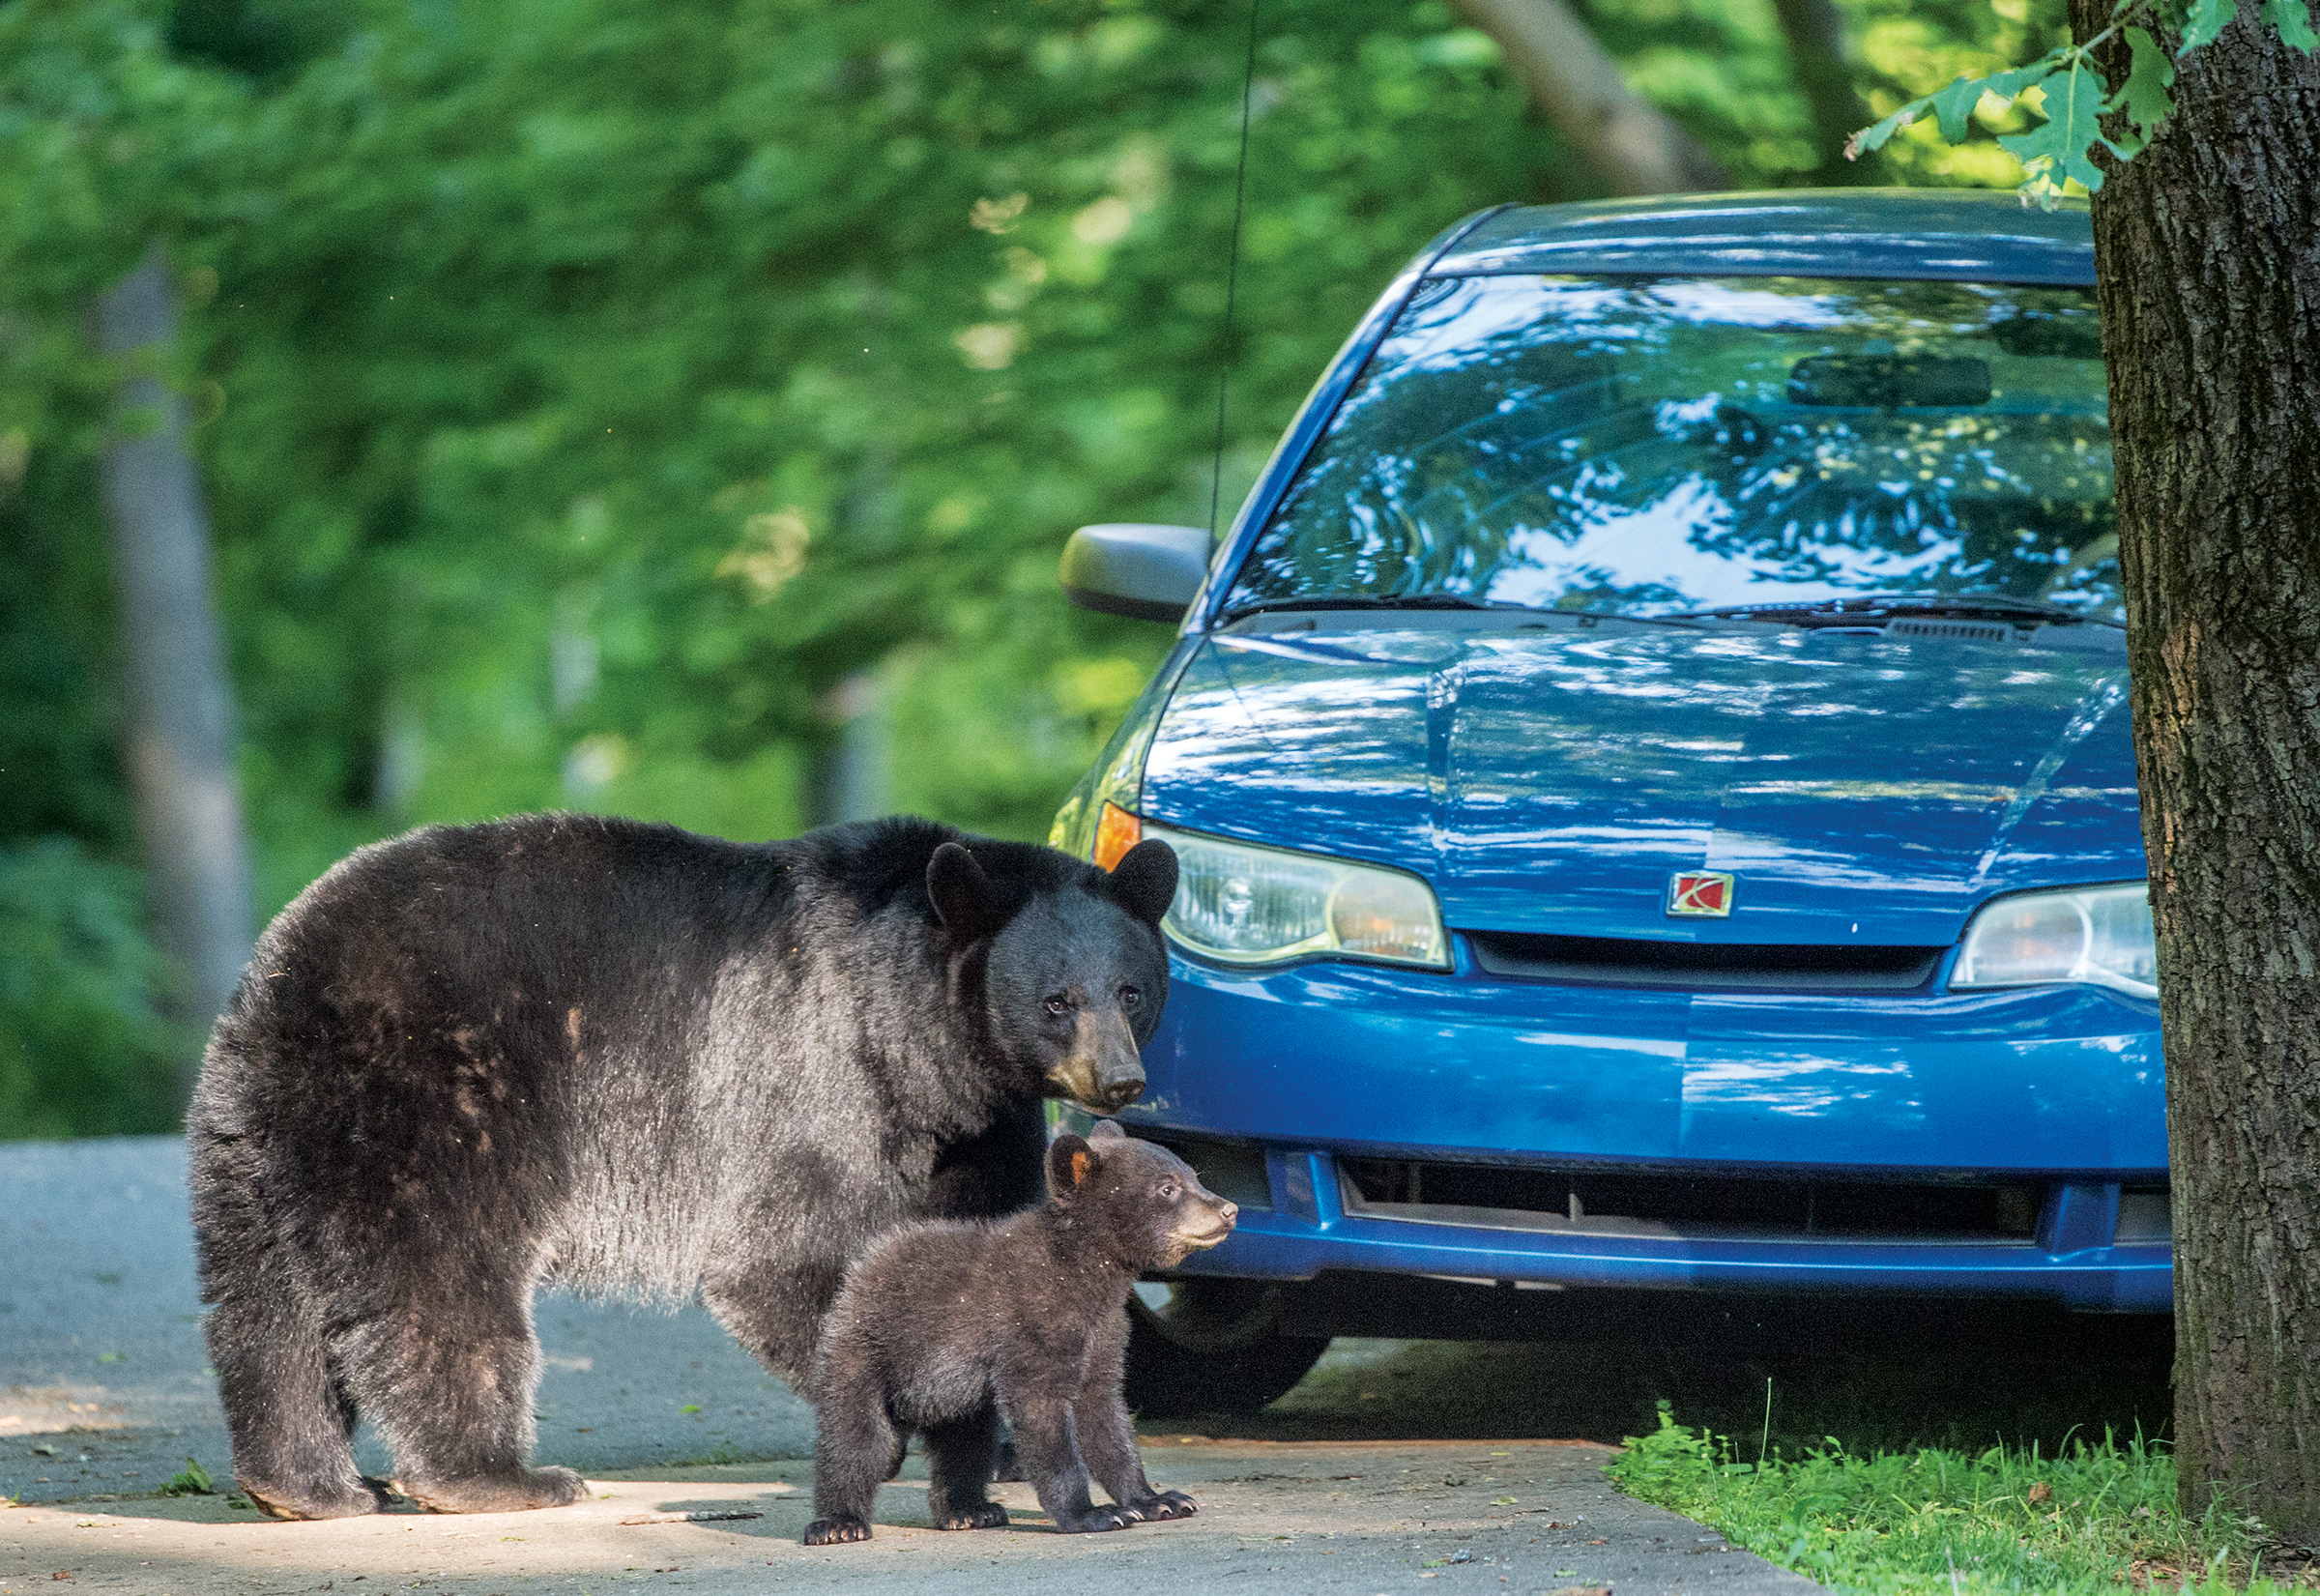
{"x":1135,"y":568}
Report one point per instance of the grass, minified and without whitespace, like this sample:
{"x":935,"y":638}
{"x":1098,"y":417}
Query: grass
{"x":2089,"y":1518}
{"x":192,"y":1481}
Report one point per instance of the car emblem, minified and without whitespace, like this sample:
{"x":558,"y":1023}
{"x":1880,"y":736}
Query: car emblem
{"x":1700,"y":892}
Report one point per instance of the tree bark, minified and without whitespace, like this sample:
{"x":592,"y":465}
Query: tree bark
{"x":180,"y":703}
{"x":2207,"y":249}
{"x":1814,"y":29}
{"x":1577,"y":86}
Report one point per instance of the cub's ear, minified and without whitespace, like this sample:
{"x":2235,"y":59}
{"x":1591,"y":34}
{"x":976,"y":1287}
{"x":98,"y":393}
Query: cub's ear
{"x":1144,"y":880}
{"x":1107,"y":1130}
{"x":962,"y":893}
{"x":1070,"y":1163}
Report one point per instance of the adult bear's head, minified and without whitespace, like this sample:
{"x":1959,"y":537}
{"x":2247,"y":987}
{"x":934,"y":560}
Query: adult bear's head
{"x":1076,"y":976}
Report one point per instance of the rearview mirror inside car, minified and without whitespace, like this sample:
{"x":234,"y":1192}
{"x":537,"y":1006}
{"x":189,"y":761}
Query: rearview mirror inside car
{"x":1883,"y":381}
{"x":1135,"y":568}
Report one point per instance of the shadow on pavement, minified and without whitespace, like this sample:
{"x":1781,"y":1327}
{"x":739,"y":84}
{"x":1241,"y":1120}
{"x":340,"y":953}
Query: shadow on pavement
{"x":1964,"y":1382}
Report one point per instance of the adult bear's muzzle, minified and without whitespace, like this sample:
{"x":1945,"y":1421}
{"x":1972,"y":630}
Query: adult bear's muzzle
{"x":1102,"y":1071}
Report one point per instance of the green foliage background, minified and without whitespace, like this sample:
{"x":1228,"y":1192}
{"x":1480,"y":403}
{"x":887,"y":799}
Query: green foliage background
{"x":587,"y":389}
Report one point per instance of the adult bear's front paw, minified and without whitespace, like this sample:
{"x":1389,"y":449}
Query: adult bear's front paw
{"x":1165,"y":1504}
{"x":1096,"y":1519}
{"x":835,"y":1531}
{"x":986,"y":1515}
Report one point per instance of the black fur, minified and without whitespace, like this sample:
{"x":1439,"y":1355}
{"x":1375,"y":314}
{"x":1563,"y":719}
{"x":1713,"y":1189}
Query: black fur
{"x":945,"y":1329}
{"x":620,"y":1056}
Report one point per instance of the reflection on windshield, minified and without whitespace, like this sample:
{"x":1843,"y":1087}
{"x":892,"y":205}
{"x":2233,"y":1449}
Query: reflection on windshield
{"x":1647,"y":446}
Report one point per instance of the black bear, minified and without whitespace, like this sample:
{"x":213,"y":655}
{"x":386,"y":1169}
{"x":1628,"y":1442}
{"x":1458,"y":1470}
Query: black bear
{"x":944,"y":1328}
{"x":613,"y":1054}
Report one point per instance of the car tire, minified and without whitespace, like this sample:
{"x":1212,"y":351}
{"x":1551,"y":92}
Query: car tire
{"x":1212,"y":1347}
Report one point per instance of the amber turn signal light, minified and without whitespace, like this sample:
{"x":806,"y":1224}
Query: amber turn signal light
{"x":1117,"y":830}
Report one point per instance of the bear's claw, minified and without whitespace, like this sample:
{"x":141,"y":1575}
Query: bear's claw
{"x":1166,"y":1505}
{"x":835,"y":1531}
{"x":989,"y":1515}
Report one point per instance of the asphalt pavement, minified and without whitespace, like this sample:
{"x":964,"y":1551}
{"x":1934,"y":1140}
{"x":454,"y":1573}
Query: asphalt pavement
{"x":106,"y":1395}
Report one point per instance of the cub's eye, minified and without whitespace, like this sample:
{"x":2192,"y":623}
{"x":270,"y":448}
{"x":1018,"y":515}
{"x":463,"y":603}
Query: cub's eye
{"x":1167,"y":1193}
{"x":1129,"y":996}
{"x":1057,"y":1006}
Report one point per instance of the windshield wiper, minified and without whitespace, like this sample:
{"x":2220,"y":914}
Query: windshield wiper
{"x":1370,"y":601}
{"x":1874,"y":609}
{"x":1434,"y":601}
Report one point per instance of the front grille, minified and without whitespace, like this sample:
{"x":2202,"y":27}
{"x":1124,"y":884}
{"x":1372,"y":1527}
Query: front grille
{"x":2145,"y":1214}
{"x":1589,"y":1201}
{"x":1703,"y":967}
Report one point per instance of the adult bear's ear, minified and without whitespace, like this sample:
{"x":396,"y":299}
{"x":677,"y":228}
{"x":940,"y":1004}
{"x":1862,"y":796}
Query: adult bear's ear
{"x":1107,"y":1130}
{"x":1144,"y":880}
{"x":1071,"y":1164}
{"x":962,"y":893}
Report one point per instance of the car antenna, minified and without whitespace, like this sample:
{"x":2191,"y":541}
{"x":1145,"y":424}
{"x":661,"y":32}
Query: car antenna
{"x":1240,"y":189}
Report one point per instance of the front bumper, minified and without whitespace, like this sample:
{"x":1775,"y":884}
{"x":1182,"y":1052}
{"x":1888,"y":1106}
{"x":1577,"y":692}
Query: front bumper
{"x":1308,"y":1085}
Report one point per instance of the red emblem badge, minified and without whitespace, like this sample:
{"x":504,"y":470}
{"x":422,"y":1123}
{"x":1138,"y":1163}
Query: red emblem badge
{"x":1700,"y":892}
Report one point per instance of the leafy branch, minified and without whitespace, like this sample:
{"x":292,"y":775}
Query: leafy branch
{"x":2076,"y":93}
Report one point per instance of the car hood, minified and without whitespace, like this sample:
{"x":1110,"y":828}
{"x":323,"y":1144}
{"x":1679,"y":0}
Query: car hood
{"x":1862,"y":790}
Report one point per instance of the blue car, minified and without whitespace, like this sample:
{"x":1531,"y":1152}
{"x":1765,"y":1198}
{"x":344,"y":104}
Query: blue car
{"x":1651,"y":773}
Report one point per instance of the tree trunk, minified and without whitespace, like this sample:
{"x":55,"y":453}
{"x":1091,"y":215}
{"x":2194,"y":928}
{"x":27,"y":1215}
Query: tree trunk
{"x":1814,"y":29}
{"x":2207,"y":248}
{"x":180,"y":706}
{"x":1574,"y":84}
{"x":851,"y":777}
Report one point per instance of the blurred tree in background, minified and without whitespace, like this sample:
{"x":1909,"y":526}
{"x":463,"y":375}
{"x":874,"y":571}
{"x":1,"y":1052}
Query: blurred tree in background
{"x":602,"y":403}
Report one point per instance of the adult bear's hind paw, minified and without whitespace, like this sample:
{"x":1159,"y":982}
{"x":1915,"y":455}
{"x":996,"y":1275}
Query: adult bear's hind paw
{"x":835,"y":1531}
{"x":276,"y":1502}
{"x":517,"y":1492}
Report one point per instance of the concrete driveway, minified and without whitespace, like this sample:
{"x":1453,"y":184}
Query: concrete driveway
{"x":104,"y":1395}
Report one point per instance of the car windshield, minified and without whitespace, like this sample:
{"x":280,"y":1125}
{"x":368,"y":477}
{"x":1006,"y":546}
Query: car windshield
{"x":1649,"y":446}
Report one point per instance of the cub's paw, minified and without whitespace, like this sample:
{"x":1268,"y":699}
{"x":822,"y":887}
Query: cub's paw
{"x":1097,"y":1519}
{"x":983,"y":1516}
{"x":1165,"y":1504}
{"x":835,"y":1531}
{"x":1009,"y":1468}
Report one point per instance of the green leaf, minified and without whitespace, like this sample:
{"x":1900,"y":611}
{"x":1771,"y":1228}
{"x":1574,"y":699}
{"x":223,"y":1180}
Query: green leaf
{"x":2294,"y":23}
{"x":2208,"y":18}
{"x":2056,"y":150}
{"x":1874,"y":136}
{"x":1955,"y":104}
{"x":194,"y":1481}
{"x":2143,"y":97}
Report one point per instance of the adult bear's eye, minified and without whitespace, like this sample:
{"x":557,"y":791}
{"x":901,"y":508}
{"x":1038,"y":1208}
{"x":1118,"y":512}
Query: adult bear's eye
{"x":1167,"y":1193}
{"x":1058,"y":1006}
{"x":1129,"y":996}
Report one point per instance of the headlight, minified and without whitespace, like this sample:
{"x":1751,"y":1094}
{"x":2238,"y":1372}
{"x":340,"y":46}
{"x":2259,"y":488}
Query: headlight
{"x":1242,"y":904}
{"x":2100,"y":934}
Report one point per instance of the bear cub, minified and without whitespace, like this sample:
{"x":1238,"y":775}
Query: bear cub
{"x":945,"y":1327}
